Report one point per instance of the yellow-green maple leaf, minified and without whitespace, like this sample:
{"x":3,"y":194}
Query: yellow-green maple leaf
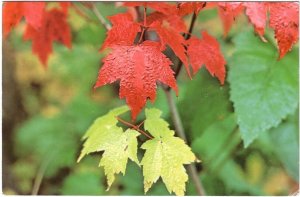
{"x":117,"y":145}
{"x":165,"y":155}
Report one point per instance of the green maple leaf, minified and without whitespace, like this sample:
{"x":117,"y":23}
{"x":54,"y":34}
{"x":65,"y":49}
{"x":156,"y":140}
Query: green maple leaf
{"x":165,"y":155}
{"x":117,"y":145}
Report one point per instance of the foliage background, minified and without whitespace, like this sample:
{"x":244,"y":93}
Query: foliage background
{"x":45,"y":113}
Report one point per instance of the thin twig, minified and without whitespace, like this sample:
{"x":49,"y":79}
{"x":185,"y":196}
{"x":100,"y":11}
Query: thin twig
{"x":101,"y":18}
{"x":186,"y":37}
{"x":141,"y":124}
{"x":180,"y":132}
{"x":134,"y":127}
{"x":39,"y":177}
{"x":145,"y":16}
{"x":142,"y":37}
{"x":80,"y":12}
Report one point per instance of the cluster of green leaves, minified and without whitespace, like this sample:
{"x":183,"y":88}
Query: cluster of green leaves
{"x":258,"y":105}
{"x":164,"y":156}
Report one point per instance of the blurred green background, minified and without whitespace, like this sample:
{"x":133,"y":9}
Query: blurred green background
{"x":46,"y":112}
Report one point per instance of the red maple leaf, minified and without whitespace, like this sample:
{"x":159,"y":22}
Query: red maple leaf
{"x":228,"y":11}
{"x":190,"y":7}
{"x":14,"y":11}
{"x":65,"y":6}
{"x":169,"y":36}
{"x":163,"y":11}
{"x":175,"y":21}
{"x":54,"y":27}
{"x":284,"y":19}
{"x":138,"y":68}
{"x":168,"y":24}
{"x":123,"y":31}
{"x":257,"y":14}
{"x":206,"y":51}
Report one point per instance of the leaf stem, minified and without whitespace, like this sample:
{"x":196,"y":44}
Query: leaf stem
{"x":100,"y":17}
{"x":142,"y":36}
{"x":180,"y":132}
{"x":144,"y":27}
{"x":135,"y":127}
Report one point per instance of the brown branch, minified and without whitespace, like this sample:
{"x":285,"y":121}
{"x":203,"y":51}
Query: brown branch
{"x":138,"y":126}
{"x":145,"y":16}
{"x":135,"y":127}
{"x":186,"y":37}
{"x":142,"y":37}
{"x":180,"y":132}
{"x":100,"y":17}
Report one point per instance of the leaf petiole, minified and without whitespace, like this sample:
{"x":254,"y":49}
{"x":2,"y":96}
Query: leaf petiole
{"x":143,"y":28}
{"x":137,"y":128}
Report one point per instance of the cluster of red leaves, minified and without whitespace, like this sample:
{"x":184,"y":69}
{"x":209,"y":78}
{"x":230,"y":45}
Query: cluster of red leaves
{"x":284,"y":19}
{"x":138,"y":43}
{"x":43,"y":26}
{"x":140,"y":65}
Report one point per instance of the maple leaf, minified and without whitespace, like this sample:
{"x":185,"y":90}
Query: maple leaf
{"x":118,"y":146}
{"x":228,"y":11}
{"x":207,"y":51}
{"x":165,"y":155}
{"x":163,"y":11}
{"x":138,"y":67}
{"x":168,"y":25}
{"x":169,"y":36}
{"x":284,"y":19}
{"x":14,"y":11}
{"x":123,"y":31}
{"x":54,"y":27}
{"x":65,"y":6}
{"x":122,"y":146}
{"x":257,"y":14}
{"x":190,"y":7}
{"x":175,"y":21}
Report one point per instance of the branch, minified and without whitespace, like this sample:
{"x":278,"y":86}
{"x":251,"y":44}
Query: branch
{"x":186,"y":37}
{"x":180,"y":132}
{"x":137,"y":128}
{"x":101,"y":18}
{"x":40,"y":174}
{"x":142,"y":36}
